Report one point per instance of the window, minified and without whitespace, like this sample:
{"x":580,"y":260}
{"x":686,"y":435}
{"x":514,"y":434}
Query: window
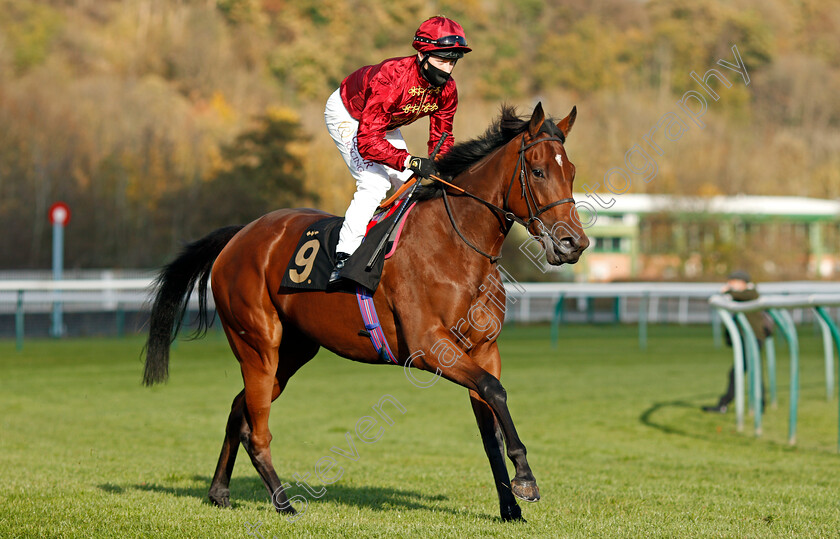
{"x":608,"y":245}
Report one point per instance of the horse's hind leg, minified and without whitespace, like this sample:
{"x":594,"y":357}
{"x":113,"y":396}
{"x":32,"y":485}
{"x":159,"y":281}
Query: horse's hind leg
{"x":294,"y":351}
{"x":257,"y":352}
{"x":237,"y":427}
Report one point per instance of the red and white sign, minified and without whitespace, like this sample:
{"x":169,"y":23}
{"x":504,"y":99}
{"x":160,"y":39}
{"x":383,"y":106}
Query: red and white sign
{"x":59,"y":214}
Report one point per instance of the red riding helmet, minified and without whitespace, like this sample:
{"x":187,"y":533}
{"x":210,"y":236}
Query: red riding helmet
{"x":442,"y":37}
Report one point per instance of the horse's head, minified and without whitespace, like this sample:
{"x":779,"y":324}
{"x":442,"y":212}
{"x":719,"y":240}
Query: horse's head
{"x":540,"y":192}
{"x":534,"y":181}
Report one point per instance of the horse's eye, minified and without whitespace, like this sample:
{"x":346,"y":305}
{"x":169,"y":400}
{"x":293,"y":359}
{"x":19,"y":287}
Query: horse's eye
{"x":538,"y":173}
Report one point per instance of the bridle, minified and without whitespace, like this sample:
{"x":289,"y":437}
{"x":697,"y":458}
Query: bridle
{"x":534,"y":211}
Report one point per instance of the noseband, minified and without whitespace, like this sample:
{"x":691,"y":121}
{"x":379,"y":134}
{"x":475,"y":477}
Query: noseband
{"x":534,"y":211}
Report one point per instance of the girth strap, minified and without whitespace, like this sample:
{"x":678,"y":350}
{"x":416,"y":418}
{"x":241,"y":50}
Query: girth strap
{"x":372,"y":326}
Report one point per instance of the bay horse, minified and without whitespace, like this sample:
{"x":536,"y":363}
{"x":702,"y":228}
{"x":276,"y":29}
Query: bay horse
{"x":517,"y":171}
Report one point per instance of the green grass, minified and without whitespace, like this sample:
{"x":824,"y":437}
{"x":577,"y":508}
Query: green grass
{"x":614,"y":436}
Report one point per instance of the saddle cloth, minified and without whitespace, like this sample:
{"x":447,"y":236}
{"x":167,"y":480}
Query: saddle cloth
{"x":314,"y":258}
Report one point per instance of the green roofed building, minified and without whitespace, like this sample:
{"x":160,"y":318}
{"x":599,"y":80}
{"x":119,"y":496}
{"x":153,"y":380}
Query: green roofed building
{"x":654,"y":237}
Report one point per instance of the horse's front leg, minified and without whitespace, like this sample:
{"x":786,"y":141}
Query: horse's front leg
{"x":494,"y":446}
{"x":486,"y":356}
{"x":524,"y":485}
{"x":466,"y":371}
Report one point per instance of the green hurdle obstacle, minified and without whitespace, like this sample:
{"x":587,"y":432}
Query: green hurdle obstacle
{"x":784,"y":322}
{"x":826,"y":325}
{"x":777,"y":307}
{"x":770,"y":367}
{"x":738,"y":364}
{"x":754,"y":368}
{"x":830,"y":327}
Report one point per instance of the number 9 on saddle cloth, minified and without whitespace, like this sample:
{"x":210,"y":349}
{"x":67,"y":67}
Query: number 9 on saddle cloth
{"x":314,"y":256}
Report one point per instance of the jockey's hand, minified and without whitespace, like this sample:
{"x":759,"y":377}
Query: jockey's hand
{"x":422,"y":166}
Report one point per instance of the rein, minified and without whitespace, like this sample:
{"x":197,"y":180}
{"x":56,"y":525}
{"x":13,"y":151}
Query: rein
{"x":534,"y":211}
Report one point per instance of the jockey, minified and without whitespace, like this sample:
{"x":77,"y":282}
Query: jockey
{"x":364,"y":115}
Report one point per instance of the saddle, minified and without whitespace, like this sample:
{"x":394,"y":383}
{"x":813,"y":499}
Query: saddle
{"x":314,"y":257}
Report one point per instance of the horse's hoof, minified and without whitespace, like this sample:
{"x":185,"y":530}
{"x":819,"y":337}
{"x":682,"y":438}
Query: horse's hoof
{"x":527,"y":491}
{"x":284,"y":508}
{"x":220,"y":498}
{"x":512,"y":514}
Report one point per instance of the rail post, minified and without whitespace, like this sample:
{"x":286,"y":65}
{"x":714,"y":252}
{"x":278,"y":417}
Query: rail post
{"x":643,"y":313}
{"x":19,"y":322}
{"x":556,"y":321}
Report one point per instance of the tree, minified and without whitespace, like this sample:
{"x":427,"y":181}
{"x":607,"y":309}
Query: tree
{"x":261,"y":170}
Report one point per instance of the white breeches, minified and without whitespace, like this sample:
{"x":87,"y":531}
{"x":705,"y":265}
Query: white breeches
{"x":372,"y":179}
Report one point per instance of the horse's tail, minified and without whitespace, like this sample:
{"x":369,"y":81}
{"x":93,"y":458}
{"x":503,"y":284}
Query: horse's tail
{"x":173,"y":288}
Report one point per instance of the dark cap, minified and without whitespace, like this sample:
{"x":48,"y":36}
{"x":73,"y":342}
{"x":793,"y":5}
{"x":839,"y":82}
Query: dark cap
{"x":739,"y":275}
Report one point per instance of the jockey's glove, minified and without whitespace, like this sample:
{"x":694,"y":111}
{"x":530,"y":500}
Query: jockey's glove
{"x":422,"y":166}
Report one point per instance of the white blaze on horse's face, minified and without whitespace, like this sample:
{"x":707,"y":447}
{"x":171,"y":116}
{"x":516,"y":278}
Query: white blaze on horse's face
{"x":559,"y":159}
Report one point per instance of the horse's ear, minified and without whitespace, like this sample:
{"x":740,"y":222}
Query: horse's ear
{"x":537,"y":119}
{"x":566,"y":123}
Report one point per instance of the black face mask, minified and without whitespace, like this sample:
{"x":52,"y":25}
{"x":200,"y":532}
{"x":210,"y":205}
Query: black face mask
{"x":436,"y":77}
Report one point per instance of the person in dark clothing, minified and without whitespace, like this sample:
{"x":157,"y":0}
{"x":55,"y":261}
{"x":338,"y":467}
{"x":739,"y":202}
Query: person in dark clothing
{"x":740,"y":287}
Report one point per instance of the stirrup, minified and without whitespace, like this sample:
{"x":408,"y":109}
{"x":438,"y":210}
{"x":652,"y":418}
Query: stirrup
{"x":340,"y":260}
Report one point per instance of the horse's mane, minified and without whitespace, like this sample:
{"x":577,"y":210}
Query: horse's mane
{"x":465,"y":154}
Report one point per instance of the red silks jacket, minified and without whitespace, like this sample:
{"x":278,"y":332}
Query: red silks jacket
{"x":386,"y":96}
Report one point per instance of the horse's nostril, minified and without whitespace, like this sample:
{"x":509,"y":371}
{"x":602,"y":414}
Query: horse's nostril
{"x":567,"y":245}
